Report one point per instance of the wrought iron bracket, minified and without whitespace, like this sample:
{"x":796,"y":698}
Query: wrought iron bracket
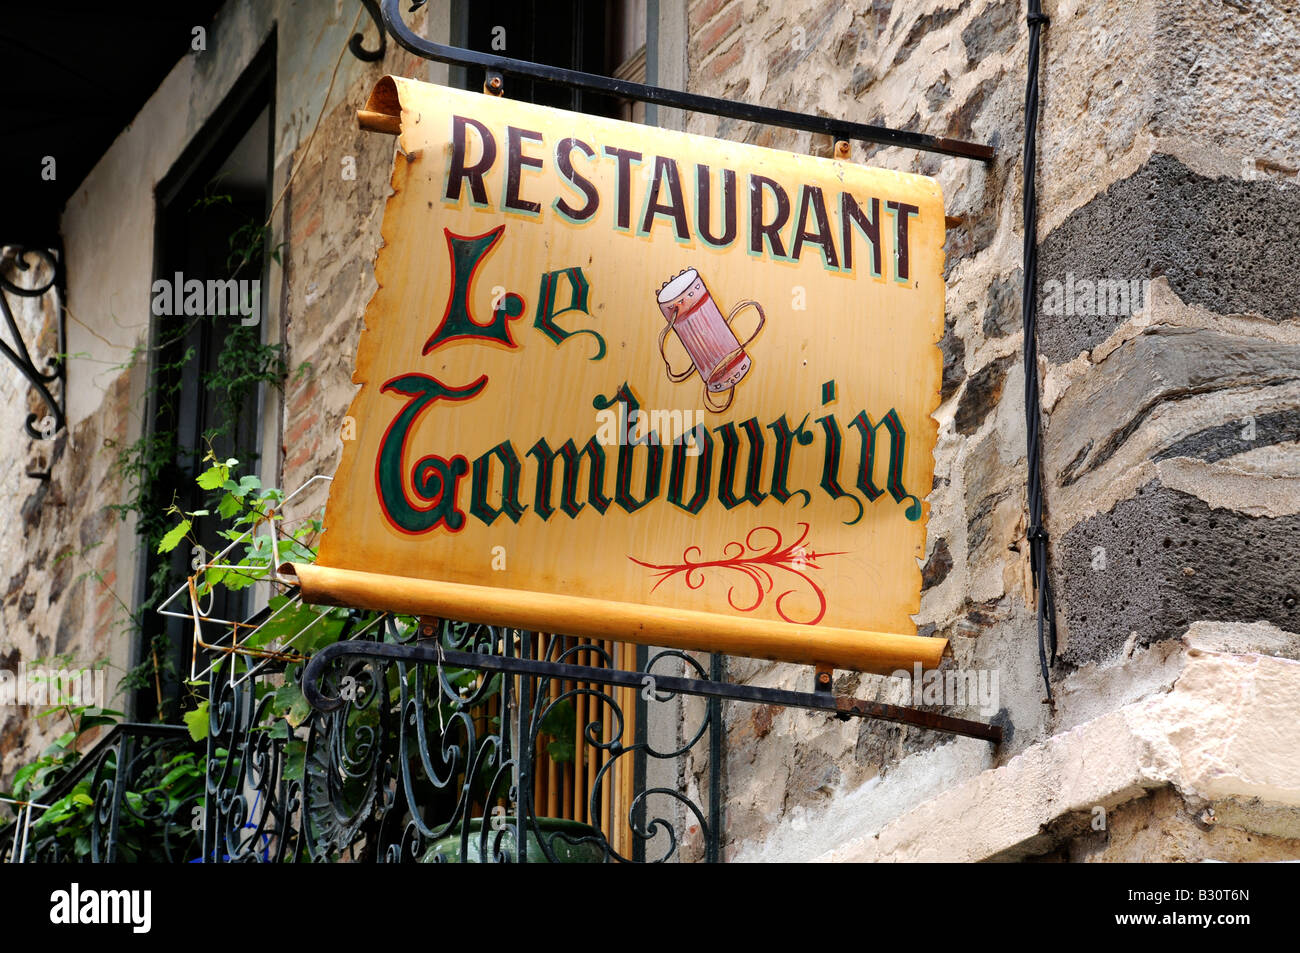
{"x":692,"y":102}
{"x":357,"y":43}
{"x":314,"y":676}
{"x":38,"y":427}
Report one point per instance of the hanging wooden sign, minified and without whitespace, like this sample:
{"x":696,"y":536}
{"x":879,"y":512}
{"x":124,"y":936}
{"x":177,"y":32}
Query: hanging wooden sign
{"x":644,"y":385}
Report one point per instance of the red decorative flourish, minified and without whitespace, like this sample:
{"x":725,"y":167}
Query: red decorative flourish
{"x":755,"y":564}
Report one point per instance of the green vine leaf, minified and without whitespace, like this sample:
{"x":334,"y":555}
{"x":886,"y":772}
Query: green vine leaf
{"x":214,"y":477}
{"x":290,"y":702}
{"x":171,"y":539}
{"x":197,"y":721}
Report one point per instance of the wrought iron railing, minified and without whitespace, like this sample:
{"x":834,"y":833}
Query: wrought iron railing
{"x":421,"y":761}
{"x":415,"y":762}
{"x":133,"y":797}
{"x":337,"y":734}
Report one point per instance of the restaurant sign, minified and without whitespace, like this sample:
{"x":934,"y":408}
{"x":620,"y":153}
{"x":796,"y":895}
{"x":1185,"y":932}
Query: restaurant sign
{"x":638,"y":384}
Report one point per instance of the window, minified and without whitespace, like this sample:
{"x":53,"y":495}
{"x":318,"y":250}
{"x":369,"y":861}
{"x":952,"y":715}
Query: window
{"x":627,"y":42}
{"x":591,"y":37}
{"x":208,"y":361}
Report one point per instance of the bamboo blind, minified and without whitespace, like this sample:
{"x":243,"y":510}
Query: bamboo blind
{"x":563,"y":789}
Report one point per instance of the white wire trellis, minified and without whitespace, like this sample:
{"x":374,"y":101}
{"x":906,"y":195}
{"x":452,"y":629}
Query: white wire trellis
{"x":22,"y":828}
{"x":239,"y":636}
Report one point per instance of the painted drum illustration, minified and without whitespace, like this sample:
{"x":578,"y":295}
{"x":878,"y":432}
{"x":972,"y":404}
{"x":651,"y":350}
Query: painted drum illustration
{"x":715,"y":351}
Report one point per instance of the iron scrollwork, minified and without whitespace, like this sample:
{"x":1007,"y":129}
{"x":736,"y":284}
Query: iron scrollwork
{"x":142,"y":803}
{"x":357,"y":43}
{"x":45,"y":276}
{"x":497,"y":800}
{"x":407,"y":759}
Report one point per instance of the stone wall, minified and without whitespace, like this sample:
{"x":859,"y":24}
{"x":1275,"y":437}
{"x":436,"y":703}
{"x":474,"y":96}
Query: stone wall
{"x":949,"y":69}
{"x":1192,"y":732}
{"x":1172,"y":439}
{"x":1161,"y":827}
{"x":1170,"y":430}
{"x":333,"y":235}
{"x":58,"y":551}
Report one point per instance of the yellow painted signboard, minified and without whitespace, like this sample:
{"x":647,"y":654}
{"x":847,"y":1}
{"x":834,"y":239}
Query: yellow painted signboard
{"x":633,"y":382}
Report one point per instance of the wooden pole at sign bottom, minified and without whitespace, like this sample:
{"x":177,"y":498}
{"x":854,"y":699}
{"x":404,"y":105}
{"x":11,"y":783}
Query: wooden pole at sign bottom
{"x":876,"y":652}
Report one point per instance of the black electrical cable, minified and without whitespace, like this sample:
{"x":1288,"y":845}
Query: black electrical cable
{"x":1029,"y":313}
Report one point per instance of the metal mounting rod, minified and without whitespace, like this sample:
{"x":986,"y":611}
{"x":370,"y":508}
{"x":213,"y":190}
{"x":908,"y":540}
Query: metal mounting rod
{"x":693,"y":102}
{"x":314,"y":674}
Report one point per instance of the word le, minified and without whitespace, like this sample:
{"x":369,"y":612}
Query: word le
{"x":75,"y":906}
{"x":195,"y":298}
{"x":956,"y":688}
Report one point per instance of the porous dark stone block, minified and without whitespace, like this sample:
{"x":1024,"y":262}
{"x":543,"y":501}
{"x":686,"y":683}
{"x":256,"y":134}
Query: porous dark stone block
{"x":937,"y":566}
{"x":1002,"y":313}
{"x":939,"y":93}
{"x":1224,"y":244}
{"x":954,"y":362}
{"x":925,"y":24}
{"x":68,"y":636}
{"x":973,"y":235}
{"x":1171,"y":560}
{"x":16,"y":582}
{"x":964,"y":116}
{"x":33,"y":506}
